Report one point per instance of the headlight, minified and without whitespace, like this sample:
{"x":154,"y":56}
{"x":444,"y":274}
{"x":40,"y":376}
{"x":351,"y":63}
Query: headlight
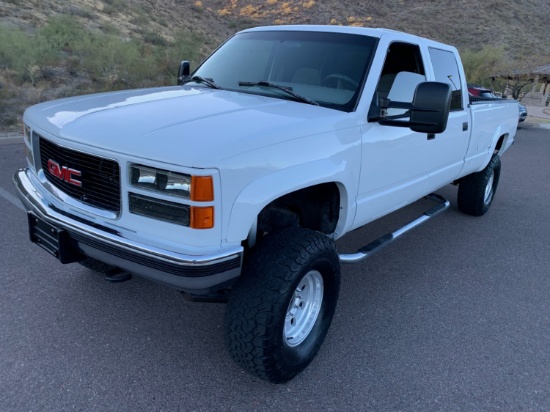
{"x":169,"y":183}
{"x":28,"y":144}
{"x":197,"y":188}
{"x":194,"y":188}
{"x":27,"y":133}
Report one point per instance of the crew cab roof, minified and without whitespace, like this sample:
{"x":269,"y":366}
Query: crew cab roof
{"x":364,"y":31}
{"x":324,"y":28}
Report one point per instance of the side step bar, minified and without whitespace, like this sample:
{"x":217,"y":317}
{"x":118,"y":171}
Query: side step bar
{"x":383,"y":241}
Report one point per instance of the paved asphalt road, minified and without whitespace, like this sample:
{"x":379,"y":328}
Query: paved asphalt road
{"x":455,"y":316}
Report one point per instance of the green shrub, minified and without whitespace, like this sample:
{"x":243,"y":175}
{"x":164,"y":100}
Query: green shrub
{"x":480,"y":65}
{"x":63,"y":34}
{"x":63,"y":58}
{"x":19,"y":52}
{"x":154,"y":38}
{"x":110,"y":61}
{"x":114,"y":6}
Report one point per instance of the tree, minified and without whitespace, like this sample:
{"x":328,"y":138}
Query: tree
{"x":480,"y":65}
{"x":517,"y":84}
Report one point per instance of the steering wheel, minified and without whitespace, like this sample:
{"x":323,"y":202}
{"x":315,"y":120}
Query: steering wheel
{"x":341,"y":80}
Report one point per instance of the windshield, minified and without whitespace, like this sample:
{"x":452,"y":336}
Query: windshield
{"x":326,"y":68}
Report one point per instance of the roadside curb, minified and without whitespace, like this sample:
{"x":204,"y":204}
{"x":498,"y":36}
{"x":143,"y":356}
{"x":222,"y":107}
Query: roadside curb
{"x":10,"y":138}
{"x":535,"y":124}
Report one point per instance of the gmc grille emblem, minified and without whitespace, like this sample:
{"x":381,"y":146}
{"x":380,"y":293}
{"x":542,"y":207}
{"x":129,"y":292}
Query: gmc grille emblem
{"x":64,"y":173}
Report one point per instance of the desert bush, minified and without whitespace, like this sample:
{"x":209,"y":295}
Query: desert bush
{"x":63,"y":58}
{"x":114,"y":6}
{"x":82,"y":11}
{"x":154,"y":38}
{"x":18,"y":52}
{"x":481,"y":65}
{"x":110,"y":60}
{"x":114,"y":63}
{"x":63,"y":34}
{"x":186,"y":46}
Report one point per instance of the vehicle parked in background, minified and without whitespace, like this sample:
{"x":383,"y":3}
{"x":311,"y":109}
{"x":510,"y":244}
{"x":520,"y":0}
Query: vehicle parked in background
{"x":483,"y":92}
{"x":478,"y":93}
{"x":522,"y":112}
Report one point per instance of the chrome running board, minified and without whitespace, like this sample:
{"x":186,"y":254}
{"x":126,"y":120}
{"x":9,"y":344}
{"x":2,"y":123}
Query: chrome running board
{"x":383,"y":241}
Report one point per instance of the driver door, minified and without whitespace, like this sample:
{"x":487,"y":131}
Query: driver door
{"x":396,"y":161}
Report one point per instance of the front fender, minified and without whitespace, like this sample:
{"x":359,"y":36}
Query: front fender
{"x":254,"y":197}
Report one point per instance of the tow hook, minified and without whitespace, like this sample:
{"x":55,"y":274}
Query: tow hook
{"x":117,"y":275}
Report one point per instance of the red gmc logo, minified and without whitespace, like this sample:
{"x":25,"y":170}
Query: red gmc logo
{"x":64,"y":173}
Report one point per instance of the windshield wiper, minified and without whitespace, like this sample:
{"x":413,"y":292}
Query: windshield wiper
{"x":198,"y":79}
{"x":285,"y":89}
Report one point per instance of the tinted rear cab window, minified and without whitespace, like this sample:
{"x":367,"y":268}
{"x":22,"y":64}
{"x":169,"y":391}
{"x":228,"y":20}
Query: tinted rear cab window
{"x":446,"y":71}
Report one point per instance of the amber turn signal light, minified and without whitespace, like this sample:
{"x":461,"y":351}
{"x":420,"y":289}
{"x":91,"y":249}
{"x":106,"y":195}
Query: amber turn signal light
{"x":202,"y":189}
{"x":202,"y":217}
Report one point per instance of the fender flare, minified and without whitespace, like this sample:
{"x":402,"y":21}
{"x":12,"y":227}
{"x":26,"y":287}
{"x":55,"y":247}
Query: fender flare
{"x":254,"y":197}
{"x":499,"y":134}
{"x":504,"y":146}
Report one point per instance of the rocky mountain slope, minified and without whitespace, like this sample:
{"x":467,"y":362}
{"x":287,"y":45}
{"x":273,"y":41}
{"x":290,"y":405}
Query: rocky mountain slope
{"x":520,"y":28}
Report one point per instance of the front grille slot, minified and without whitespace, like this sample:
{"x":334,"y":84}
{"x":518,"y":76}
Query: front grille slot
{"x":100,"y":177}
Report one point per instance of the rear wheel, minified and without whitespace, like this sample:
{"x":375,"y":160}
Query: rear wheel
{"x":477,"y":191}
{"x":281,"y":308}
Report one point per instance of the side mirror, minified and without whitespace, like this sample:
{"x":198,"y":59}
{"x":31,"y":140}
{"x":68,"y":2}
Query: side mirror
{"x":431,"y":106}
{"x":183,"y":72}
{"x":429,"y":110}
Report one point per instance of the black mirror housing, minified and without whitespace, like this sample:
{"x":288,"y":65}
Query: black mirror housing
{"x":429,"y":110}
{"x":183,"y":72}
{"x":431,"y":106}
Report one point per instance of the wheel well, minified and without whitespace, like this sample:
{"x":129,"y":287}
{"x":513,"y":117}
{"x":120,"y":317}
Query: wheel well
{"x":500,"y":143}
{"x":316,"y":207}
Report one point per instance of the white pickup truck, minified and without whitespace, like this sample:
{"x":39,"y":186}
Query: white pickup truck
{"x":234,"y":184}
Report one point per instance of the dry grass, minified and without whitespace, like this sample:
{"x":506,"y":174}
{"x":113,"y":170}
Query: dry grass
{"x":520,"y":27}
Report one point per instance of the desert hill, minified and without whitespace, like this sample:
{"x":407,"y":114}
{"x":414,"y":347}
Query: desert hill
{"x":191,"y":29}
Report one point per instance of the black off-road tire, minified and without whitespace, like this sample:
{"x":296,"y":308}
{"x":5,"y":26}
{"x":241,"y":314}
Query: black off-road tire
{"x":477,"y":191}
{"x":260,"y":333}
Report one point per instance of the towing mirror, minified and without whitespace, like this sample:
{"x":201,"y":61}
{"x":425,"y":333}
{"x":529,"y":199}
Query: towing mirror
{"x":428,"y":112}
{"x":431,"y":105}
{"x":183,"y":72}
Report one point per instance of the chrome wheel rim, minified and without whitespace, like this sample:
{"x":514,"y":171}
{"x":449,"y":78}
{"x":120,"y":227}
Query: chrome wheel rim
{"x":303,"y":308}
{"x":489,"y":189}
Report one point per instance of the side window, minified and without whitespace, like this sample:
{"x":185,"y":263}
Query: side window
{"x":446,"y":71}
{"x":401,"y":58}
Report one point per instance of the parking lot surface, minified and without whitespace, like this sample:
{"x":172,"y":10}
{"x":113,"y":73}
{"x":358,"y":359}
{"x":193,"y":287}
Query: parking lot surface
{"x":454,"y":316}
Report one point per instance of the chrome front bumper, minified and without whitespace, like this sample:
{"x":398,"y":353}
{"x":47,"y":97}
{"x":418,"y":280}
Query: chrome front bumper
{"x":194,"y":274}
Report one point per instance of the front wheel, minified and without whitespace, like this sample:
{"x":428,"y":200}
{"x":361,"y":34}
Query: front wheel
{"x":281,"y":308}
{"x":477,"y":191}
